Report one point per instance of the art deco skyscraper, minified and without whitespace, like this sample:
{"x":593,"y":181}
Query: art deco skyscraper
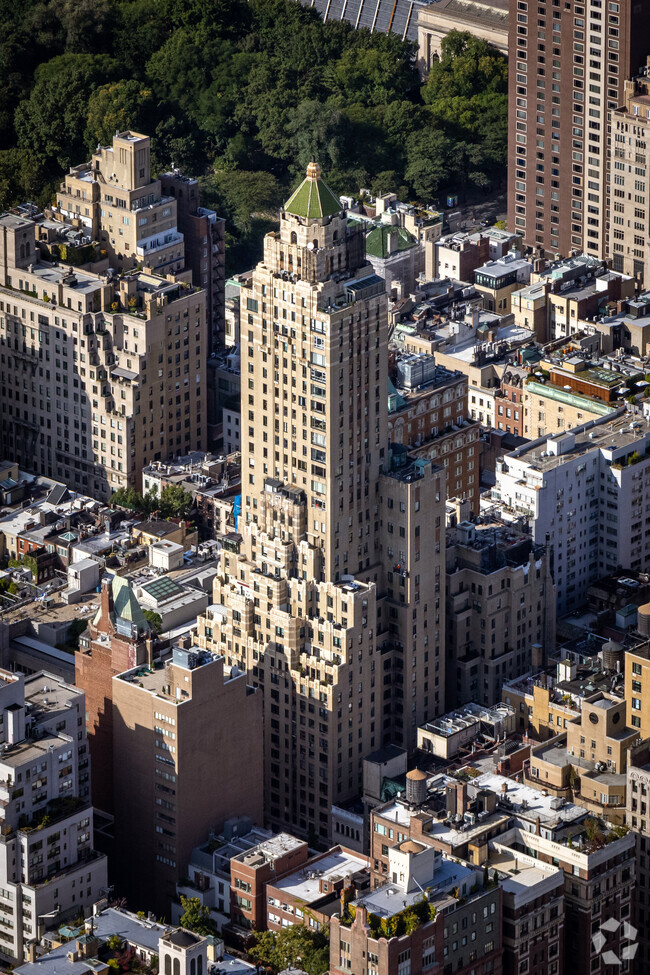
{"x":322,"y":601}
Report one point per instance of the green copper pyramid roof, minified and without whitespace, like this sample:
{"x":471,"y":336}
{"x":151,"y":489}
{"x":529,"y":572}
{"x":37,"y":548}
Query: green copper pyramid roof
{"x":313,"y":199}
{"x":378,"y":241}
{"x":125,"y":604}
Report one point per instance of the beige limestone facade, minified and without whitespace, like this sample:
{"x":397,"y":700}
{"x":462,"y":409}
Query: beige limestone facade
{"x":99,"y":375}
{"x":330,"y":604}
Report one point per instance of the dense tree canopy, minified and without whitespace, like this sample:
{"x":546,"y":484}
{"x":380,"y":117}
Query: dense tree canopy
{"x":243,"y":94}
{"x":293,"y":947}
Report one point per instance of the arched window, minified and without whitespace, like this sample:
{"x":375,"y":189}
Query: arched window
{"x":199,"y":967}
{"x":177,"y":966}
{"x":193,"y":966}
{"x":294,"y":237}
{"x":335,"y":235}
{"x":27,"y":249}
{"x":315,"y":243}
{"x":22,"y":250}
{"x":168,"y":965}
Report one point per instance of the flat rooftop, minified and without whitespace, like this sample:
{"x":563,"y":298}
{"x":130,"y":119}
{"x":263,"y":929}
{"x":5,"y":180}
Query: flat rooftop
{"x":338,"y":863}
{"x":31,"y":751}
{"x":536,"y":803}
{"x":269,"y":850}
{"x":518,"y":876}
{"x":390,"y":899}
{"x":47,"y":693}
{"x":611,"y":432}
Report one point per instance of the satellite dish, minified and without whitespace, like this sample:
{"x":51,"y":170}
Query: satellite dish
{"x":310,"y":246}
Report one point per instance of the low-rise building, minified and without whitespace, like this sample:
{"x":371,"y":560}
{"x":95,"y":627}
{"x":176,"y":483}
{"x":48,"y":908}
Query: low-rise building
{"x":431,"y":913}
{"x":588,"y":760}
{"x":311,"y":894}
{"x":445,"y":737}
{"x":458,"y":255}
{"x":208,"y":871}
{"x":174,"y":603}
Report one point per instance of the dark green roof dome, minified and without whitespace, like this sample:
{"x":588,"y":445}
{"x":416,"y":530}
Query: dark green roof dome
{"x":313,"y":200}
{"x":388,"y":239}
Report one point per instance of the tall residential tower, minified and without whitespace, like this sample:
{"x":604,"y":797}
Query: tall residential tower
{"x":559,"y":125}
{"x":325,"y":601}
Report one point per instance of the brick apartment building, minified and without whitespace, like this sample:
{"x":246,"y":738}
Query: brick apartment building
{"x":561,"y":98}
{"x":428,"y":414}
{"x":117,"y":639}
{"x":181,"y":730}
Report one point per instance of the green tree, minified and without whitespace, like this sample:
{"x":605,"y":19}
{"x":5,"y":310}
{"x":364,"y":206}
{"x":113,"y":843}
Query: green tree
{"x":128,"y":498}
{"x":243,"y":194}
{"x":175,"y":502}
{"x":430,"y":155}
{"x":153,"y":619}
{"x":293,"y":947}
{"x":51,"y":121}
{"x":118,"y":106}
{"x":196,"y":917}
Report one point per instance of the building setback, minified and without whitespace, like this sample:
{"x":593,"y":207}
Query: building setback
{"x":560,"y":104}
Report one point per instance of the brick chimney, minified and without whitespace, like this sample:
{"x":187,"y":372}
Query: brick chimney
{"x":104,"y":624}
{"x":361,"y":917}
{"x":461,"y":795}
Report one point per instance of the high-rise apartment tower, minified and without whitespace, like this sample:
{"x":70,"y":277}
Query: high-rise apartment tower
{"x":568,"y":66}
{"x":325,"y":601}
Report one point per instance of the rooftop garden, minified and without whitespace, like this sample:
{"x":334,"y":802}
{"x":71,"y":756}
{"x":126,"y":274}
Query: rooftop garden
{"x":56,"y":809}
{"x":403,"y":922}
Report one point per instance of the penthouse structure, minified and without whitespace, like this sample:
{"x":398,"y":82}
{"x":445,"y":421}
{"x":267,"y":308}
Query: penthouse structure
{"x":114,"y":197}
{"x":331,"y":566}
{"x":48,"y":867}
{"x":574,"y":488}
{"x":98,"y":375}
